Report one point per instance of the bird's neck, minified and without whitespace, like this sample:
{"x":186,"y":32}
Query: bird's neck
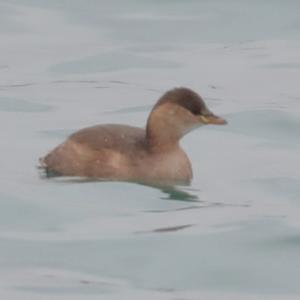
{"x":160,"y":134}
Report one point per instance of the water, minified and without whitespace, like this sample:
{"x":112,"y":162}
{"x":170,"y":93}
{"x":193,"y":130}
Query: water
{"x":235,"y":233}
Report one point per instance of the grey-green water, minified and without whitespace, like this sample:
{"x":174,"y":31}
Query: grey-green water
{"x":234,"y":234}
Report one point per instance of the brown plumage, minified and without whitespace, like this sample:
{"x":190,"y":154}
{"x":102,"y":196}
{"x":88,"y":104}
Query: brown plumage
{"x":120,"y":152}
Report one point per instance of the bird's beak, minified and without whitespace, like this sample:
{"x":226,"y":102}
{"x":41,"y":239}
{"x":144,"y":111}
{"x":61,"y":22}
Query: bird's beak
{"x":212,"y":119}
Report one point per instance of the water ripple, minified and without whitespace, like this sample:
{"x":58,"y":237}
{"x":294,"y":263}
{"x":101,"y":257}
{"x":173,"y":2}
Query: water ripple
{"x":19,"y":105}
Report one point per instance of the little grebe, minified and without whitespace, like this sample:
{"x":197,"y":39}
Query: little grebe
{"x":120,"y":152}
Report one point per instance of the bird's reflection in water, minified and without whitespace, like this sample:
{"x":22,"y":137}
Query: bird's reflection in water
{"x":170,"y":192}
{"x":178,"y":193}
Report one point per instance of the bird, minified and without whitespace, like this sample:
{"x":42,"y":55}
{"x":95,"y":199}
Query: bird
{"x":150,"y":155}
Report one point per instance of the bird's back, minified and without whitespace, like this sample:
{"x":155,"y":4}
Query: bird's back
{"x":120,"y":138}
{"x":106,"y":151}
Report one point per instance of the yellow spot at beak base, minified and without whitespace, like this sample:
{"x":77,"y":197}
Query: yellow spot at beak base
{"x":204,"y":119}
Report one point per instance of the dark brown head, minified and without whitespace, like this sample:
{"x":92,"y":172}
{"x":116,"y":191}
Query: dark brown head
{"x":176,"y":113}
